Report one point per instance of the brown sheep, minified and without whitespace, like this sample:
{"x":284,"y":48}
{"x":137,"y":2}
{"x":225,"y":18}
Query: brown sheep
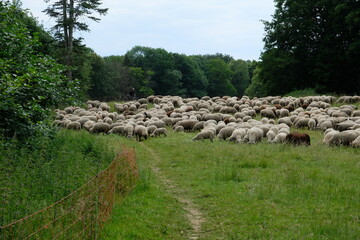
{"x":297,"y":138}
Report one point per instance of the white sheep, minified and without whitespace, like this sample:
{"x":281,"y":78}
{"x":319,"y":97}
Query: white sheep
{"x":88,"y":125}
{"x":118,"y":130}
{"x":159,"y":131}
{"x":73,"y":125}
{"x":311,"y":124}
{"x":343,"y":138}
{"x":225,"y":132}
{"x":270,"y":135}
{"x":204,"y":134}
{"x":356,"y":142}
{"x":254,"y":135}
{"x":129,"y":130}
{"x":280,"y":137}
{"x":100,"y":127}
{"x":238,"y":135}
{"x":140,"y":132}
{"x":179,"y":129}
{"x":151,"y":129}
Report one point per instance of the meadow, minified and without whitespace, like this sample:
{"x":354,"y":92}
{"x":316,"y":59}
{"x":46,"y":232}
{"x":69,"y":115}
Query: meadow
{"x":240,"y":191}
{"x":195,"y":189}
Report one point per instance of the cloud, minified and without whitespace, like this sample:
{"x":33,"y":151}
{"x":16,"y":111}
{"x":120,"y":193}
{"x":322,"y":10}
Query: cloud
{"x":192,"y":27}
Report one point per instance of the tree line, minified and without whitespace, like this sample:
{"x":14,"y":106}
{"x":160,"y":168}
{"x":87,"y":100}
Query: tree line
{"x":156,"y":71}
{"x":310,"y":44}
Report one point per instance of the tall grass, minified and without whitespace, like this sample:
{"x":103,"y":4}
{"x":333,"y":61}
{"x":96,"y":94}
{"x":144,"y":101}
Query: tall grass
{"x":36,"y":175}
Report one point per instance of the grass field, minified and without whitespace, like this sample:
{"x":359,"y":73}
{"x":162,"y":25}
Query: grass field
{"x":239,"y":191}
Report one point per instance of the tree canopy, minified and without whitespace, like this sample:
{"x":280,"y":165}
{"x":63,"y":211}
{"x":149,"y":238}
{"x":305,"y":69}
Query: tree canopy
{"x":30,"y":81}
{"x":312,"y":44}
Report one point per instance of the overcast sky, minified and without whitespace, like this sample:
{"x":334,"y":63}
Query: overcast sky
{"x":191,"y":27}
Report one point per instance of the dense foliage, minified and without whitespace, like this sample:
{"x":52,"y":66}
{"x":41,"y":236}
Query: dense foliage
{"x":156,"y":71}
{"x":311,"y":44}
{"x":30,"y":81}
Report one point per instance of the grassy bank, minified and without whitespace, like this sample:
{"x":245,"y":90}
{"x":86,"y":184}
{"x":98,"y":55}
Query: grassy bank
{"x":35,"y":176}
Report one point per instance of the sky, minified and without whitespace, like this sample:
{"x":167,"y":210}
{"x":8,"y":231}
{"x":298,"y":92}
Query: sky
{"x":190,"y":27}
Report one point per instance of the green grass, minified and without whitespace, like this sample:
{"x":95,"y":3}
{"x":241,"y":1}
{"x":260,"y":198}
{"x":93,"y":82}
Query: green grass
{"x":261,"y":191}
{"x":35,"y":176}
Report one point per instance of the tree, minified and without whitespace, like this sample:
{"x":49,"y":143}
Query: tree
{"x":68,"y":15}
{"x":256,"y":88}
{"x":164,"y":79}
{"x":116,"y":81}
{"x":140,"y":80}
{"x":219,"y":76}
{"x":30,"y":82}
{"x":312,"y":44}
{"x":240,"y":75}
{"x":193,"y":81}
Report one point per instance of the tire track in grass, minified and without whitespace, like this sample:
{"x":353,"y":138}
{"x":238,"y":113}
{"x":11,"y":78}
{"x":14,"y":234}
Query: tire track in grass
{"x":194,"y":215}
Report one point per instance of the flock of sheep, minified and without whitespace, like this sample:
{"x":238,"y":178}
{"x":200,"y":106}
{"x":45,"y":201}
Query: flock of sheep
{"x":225,"y":118}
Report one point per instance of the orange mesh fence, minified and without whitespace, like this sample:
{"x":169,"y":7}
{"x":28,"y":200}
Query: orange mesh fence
{"x":81,"y":214}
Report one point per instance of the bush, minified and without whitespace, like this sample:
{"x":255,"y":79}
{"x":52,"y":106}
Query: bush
{"x":302,"y":93}
{"x":29,"y":82}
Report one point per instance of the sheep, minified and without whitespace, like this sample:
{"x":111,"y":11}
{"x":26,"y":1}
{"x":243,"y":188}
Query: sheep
{"x":100,"y":127}
{"x":311,"y":124}
{"x":284,"y":130}
{"x":343,"y":138}
{"x":269,"y":113}
{"x":302,"y":122}
{"x":187,"y":124}
{"x":108,"y":120}
{"x":104,"y":106}
{"x":356,"y":142}
{"x":140,"y":132}
{"x":158,"y":123}
{"x":159,"y":131}
{"x":118,"y":130}
{"x":129,"y":130}
{"x":151,"y":129}
{"x":204,"y":134}
{"x":198,"y":126}
{"x":179,"y":129}
{"x":297,"y":138}
{"x":343,"y":126}
{"x":325,"y":125}
{"x":219,"y":127}
{"x":230,"y":110}
{"x":254,"y":135}
{"x":356,"y":113}
{"x":83,"y":120}
{"x":285,"y":120}
{"x":328,"y":135}
{"x":225,"y":132}
{"x":270,"y":135}
{"x":73,"y":125}
{"x":88,"y":125}
{"x":284,"y":112}
{"x":238,"y":135}
{"x":280,"y":138}
{"x":211,"y":116}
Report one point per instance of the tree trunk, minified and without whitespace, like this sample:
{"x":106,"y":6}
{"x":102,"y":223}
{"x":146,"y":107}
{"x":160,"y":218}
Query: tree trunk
{"x":71,"y":21}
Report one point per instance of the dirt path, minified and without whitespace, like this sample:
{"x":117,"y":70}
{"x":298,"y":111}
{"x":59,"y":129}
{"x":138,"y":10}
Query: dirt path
{"x":194,"y":216}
